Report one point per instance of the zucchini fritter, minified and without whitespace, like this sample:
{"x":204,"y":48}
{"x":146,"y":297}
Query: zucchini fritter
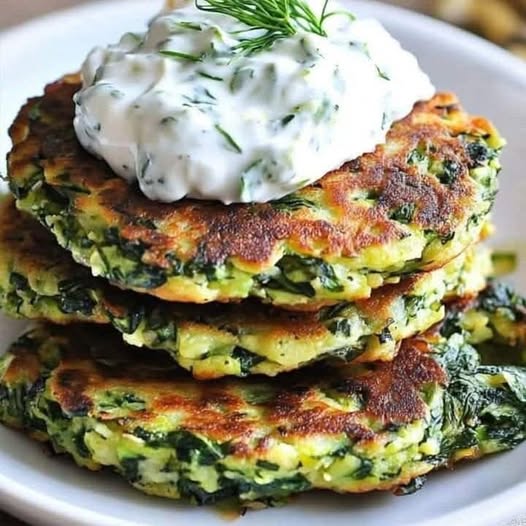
{"x":378,"y":426}
{"x":39,"y":280}
{"x":414,"y":204}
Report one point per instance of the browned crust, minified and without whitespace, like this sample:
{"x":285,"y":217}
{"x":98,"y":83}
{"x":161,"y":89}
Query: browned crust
{"x":37,"y":251}
{"x":34,"y":253}
{"x":296,"y":407}
{"x":380,"y":303}
{"x":392,"y":391}
{"x":254,"y":236}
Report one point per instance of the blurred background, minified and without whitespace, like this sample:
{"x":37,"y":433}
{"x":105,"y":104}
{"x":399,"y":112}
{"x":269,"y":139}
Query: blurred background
{"x":502,"y":21}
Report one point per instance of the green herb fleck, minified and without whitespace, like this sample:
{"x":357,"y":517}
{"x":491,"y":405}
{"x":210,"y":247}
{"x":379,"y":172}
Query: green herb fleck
{"x":450,"y":172}
{"x":286,"y":120}
{"x":233,"y":144}
{"x":118,"y":400}
{"x":478,"y":152}
{"x":342,"y":327}
{"x":244,"y":189}
{"x":412,"y":487}
{"x":189,"y":25}
{"x":292,"y":202}
{"x":34,"y":113}
{"x":416,"y":156}
{"x":382,"y":74}
{"x":75,"y":297}
{"x":247,"y":360}
{"x":168,"y":120}
{"x":446,"y":238}
{"x":364,"y":470}
{"x":130,"y":468}
{"x":240,"y":76}
{"x":145,"y":166}
{"x":181,"y":56}
{"x":404,"y":213}
{"x":385,"y":336}
{"x":206,"y":75}
{"x":265,"y":464}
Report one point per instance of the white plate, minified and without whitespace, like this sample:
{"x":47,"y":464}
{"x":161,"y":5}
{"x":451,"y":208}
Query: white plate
{"x":52,"y":491}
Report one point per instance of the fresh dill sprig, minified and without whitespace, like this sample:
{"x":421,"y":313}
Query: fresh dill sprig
{"x":273,"y":19}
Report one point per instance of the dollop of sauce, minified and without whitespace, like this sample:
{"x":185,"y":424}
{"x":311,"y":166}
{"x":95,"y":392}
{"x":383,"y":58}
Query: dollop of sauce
{"x":180,"y":110}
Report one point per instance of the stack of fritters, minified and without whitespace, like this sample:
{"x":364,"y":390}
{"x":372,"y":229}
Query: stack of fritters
{"x":360,"y":291}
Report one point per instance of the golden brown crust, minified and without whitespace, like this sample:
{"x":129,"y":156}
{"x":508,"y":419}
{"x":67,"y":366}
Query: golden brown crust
{"x":37,"y":251}
{"x":39,"y":280}
{"x":254,"y":236}
{"x":392,"y":392}
{"x":295,"y":406}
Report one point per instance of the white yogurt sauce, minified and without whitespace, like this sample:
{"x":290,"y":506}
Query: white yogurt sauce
{"x":179,"y":109}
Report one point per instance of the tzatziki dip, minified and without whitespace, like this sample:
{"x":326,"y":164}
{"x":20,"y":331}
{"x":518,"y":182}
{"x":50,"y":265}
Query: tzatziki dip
{"x":205,"y":105}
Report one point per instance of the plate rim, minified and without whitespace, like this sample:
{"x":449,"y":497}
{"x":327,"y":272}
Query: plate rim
{"x":498,"y":56}
{"x":24,"y":501}
{"x":36,"y":503}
